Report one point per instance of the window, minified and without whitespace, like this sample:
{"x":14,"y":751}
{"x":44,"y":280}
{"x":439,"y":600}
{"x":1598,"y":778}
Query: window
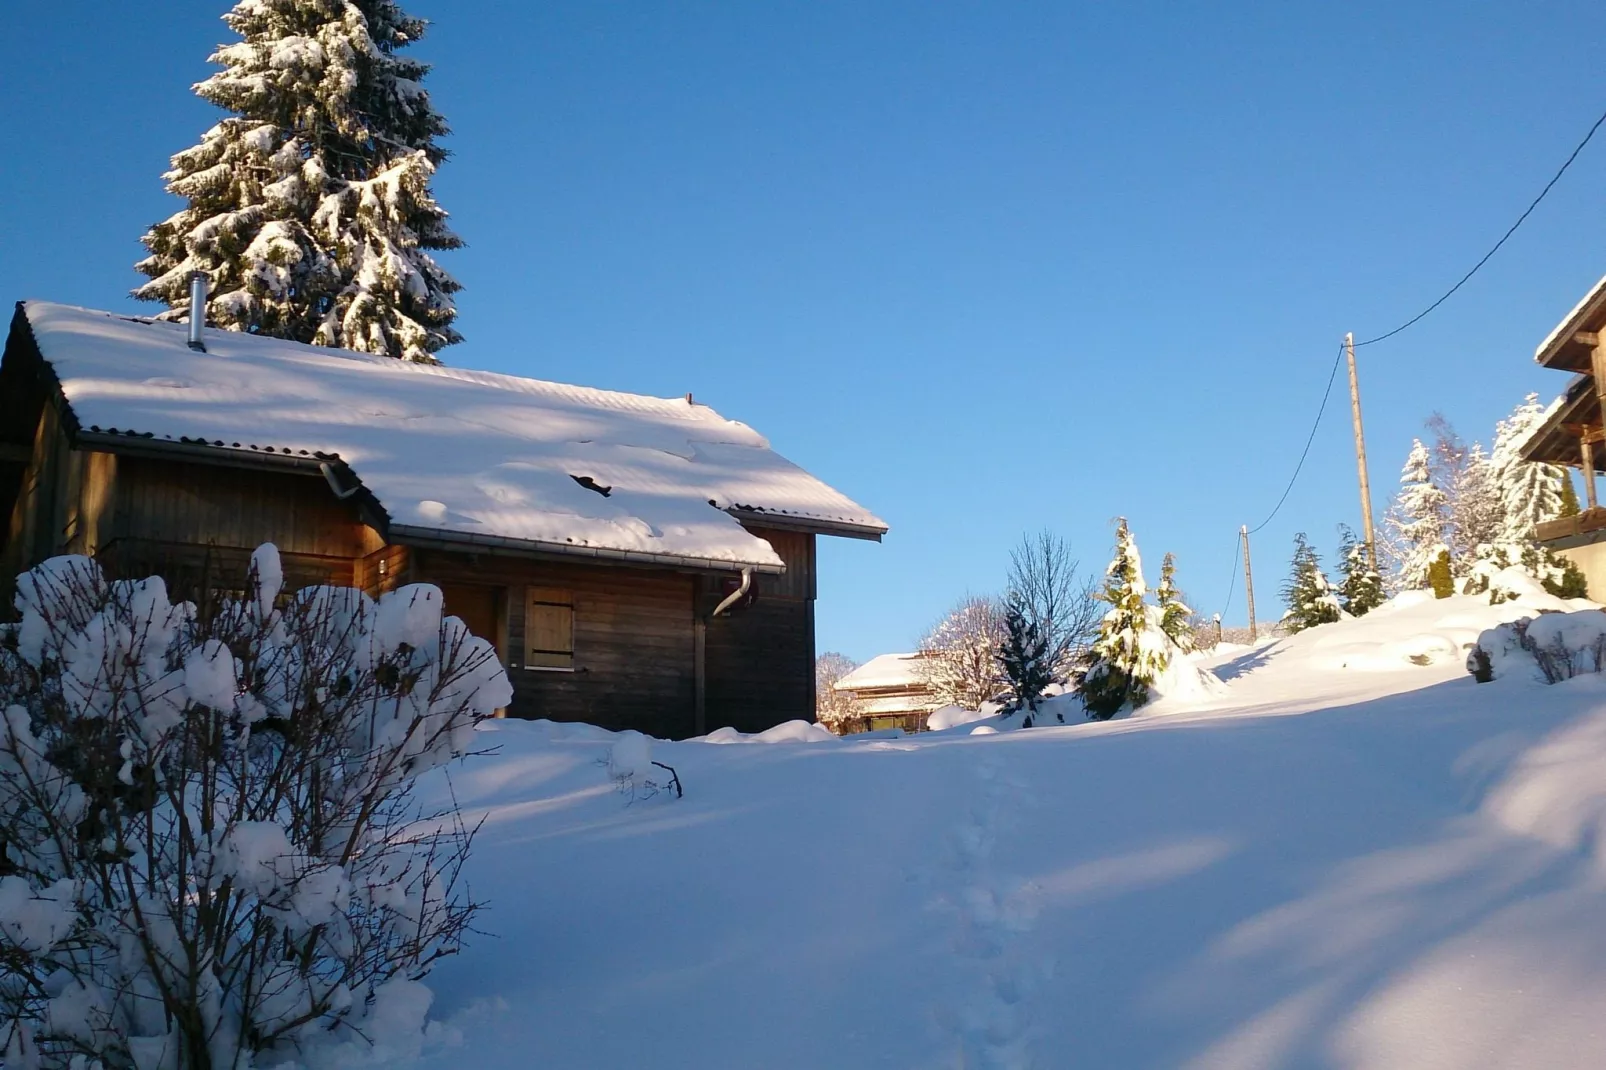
{"x":548,"y":629}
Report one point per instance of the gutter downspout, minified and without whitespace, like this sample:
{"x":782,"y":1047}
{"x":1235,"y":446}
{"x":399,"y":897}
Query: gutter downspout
{"x":700,"y":650}
{"x":736,"y":595}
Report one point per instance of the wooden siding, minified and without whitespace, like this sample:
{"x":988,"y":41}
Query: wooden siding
{"x":633,"y":639}
{"x":211,"y":505}
{"x":760,"y":659}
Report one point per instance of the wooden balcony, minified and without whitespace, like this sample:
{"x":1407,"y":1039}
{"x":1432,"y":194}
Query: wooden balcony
{"x":1572,"y":527}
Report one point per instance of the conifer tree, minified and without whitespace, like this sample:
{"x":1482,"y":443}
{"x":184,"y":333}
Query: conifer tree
{"x":1440,"y":576}
{"x":1362,"y":589}
{"x":308,"y":207}
{"x":1173,"y":611}
{"x":1307,"y":593}
{"x":1026,"y":661}
{"x":1529,"y":493}
{"x":1569,"y":496}
{"x":1131,"y":650}
{"x":1418,"y":518}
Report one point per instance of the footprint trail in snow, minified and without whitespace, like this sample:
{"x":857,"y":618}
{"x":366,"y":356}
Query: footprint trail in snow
{"x":988,"y":1021}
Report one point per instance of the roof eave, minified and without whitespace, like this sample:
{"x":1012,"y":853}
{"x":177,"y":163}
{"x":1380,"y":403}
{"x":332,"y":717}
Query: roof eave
{"x":1556,"y":351}
{"x":808,"y":524}
{"x":442,"y":538}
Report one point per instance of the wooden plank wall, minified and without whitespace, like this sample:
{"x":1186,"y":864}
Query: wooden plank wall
{"x":760,"y":660}
{"x":213,"y":505}
{"x":633,"y":640}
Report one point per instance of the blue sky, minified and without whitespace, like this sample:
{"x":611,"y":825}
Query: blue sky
{"x":986,"y":267}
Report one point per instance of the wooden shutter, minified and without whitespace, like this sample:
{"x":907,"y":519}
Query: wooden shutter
{"x":548,"y":628}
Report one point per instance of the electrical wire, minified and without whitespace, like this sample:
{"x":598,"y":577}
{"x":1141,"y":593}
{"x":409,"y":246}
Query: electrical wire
{"x":1232,"y":583}
{"x":1503,"y":239}
{"x":1413,"y":321}
{"x":1304,"y":453}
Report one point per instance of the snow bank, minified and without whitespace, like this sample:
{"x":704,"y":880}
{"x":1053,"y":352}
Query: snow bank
{"x":789,"y":732}
{"x":953,"y":716}
{"x":1551,"y":647}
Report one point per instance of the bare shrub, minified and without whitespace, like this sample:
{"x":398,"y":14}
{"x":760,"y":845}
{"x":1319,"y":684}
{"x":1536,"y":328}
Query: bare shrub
{"x":834,"y":708}
{"x":959,"y":656}
{"x":1061,"y":604}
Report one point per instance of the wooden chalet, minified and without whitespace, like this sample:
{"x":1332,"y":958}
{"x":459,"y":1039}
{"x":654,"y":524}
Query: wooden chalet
{"x":1572,"y":433}
{"x":890,"y":691}
{"x":639,"y":562}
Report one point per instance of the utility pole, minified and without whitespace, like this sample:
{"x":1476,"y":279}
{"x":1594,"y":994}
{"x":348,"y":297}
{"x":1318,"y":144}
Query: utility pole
{"x":1360,"y":453}
{"x":1249,"y":584}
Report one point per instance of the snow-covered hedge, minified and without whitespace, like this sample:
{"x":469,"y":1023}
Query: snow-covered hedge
{"x":211,"y":857}
{"x":1550,"y":647}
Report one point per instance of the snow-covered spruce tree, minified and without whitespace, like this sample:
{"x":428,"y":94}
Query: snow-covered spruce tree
{"x":309,"y":207}
{"x":1529,"y":493}
{"x":1362,"y":588}
{"x":1025,"y":659}
{"x":959,"y":656}
{"x":1307,"y":593}
{"x":1174,"y":612}
{"x":1419,"y":519}
{"x":1132,"y":650}
{"x":212,"y":856}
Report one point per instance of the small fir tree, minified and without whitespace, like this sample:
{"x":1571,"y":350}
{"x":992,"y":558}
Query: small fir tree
{"x":1362,"y":589}
{"x":308,"y":207}
{"x":1440,"y":576}
{"x":1569,"y":496}
{"x":1025,"y":659}
{"x":1174,"y":613}
{"x":1132,"y":650}
{"x":1307,"y":593}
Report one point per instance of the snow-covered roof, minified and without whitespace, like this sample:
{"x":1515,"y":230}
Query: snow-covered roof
{"x":1554,"y":351}
{"x":464,"y":454}
{"x":888,"y":670}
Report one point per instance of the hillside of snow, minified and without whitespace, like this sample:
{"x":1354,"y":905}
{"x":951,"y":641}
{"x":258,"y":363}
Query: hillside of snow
{"x":1351,"y":855}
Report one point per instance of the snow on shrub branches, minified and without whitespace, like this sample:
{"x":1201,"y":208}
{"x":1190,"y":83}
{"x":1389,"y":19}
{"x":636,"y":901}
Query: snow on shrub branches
{"x":211,"y":854}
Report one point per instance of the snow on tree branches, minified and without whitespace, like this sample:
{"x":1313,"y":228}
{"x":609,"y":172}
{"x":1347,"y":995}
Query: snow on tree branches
{"x":210,"y":855}
{"x":834,"y":708}
{"x":1529,"y":493}
{"x":1174,"y":612}
{"x":959,"y":656}
{"x":309,"y":207}
{"x":1362,"y":589}
{"x":1132,"y":649}
{"x":1418,"y":517}
{"x":1307,"y":593}
{"x":1025,"y":658}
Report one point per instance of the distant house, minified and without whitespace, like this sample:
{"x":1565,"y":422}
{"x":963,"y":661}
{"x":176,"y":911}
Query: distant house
{"x":890,"y":692}
{"x":639,"y":562}
{"x":1572,"y":433}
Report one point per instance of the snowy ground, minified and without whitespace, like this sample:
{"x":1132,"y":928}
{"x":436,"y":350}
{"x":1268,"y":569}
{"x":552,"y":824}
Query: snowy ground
{"x":1345,"y":859}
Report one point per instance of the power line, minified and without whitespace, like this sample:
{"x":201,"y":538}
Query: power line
{"x":1331,"y":376}
{"x":1503,"y":239}
{"x":1232,"y":585}
{"x":1413,"y":321}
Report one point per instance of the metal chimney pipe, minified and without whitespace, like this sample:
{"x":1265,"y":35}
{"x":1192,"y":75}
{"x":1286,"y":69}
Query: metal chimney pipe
{"x":197,"y":309}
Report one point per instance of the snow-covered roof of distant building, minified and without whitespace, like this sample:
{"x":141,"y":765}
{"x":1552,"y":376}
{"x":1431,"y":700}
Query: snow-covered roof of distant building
{"x":464,"y":455}
{"x":888,"y":670}
{"x":1561,"y":349}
